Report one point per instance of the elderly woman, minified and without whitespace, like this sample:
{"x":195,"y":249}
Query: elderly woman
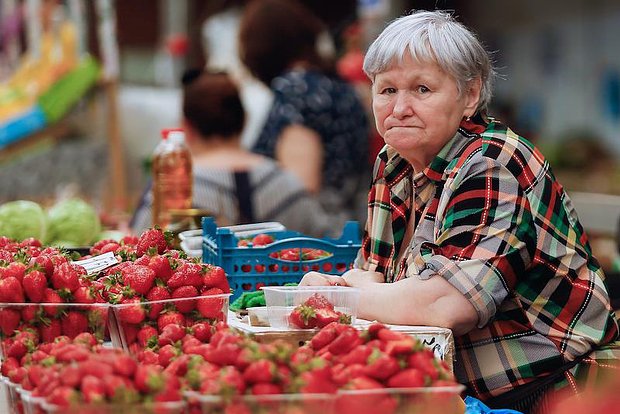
{"x":468,"y":228}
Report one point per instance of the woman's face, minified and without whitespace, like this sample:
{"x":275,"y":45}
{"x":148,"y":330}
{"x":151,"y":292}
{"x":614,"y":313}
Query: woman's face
{"x":418,"y":109}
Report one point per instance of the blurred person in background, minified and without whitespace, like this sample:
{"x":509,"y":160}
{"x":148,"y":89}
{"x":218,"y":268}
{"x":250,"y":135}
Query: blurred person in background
{"x":317,"y":126}
{"x":468,"y":229}
{"x":232,"y":183}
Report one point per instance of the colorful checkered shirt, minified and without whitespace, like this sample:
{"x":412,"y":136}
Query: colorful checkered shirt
{"x":492,"y":220}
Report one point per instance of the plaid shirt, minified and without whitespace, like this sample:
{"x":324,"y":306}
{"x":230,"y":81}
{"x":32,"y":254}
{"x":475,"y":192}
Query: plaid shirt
{"x":492,"y":220}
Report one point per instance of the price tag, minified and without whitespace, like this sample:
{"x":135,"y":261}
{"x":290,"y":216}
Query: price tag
{"x":98,"y":263}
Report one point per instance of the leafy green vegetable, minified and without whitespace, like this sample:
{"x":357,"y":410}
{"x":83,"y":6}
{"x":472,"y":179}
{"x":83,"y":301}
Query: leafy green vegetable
{"x":22,"y":219}
{"x":72,"y":223}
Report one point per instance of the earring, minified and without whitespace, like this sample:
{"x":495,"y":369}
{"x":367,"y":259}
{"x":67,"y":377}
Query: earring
{"x":468,"y":118}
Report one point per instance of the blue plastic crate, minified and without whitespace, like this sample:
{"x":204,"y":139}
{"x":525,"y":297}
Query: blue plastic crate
{"x":249,"y":268}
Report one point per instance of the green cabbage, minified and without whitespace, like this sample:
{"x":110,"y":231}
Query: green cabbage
{"x":72,"y":223}
{"x":22,"y":219}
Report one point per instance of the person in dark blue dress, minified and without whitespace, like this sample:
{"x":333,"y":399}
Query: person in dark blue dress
{"x":317,"y":126}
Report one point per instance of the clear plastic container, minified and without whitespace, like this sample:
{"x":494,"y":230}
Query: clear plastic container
{"x":175,"y":407}
{"x":172,"y":177}
{"x":56,"y":319}
{"x":272,"y":404}
{"x":124,"y":332}
{"x":281,"y":300}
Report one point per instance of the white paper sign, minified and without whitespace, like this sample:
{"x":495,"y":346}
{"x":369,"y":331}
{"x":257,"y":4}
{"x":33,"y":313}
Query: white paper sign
{"x":98,"y":263}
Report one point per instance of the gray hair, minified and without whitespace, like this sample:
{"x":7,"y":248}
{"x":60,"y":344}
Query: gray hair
{"x":434,"y":36}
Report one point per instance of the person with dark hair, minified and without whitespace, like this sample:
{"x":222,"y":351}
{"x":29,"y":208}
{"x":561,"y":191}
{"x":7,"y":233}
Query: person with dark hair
{"x":232,"y":183}
{"x":317,"y":126}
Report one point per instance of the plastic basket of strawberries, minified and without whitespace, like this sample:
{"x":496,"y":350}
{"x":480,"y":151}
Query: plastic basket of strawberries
{"x":254,"y":256}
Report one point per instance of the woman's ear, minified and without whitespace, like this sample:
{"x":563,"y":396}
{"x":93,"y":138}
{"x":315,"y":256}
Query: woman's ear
{"x":472,"y":96}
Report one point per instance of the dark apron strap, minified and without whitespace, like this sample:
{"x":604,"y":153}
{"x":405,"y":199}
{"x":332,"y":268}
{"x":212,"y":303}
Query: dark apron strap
{"x":243,"y":192}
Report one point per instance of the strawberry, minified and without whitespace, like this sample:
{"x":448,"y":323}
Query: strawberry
{"x":408,"y":378}
{"x":317,"y":381}
{"x":262,"y":370}
{"x":324,"y":337}
{"x":183,"y":304}
{"x":98,"y":245}
{"x":152,"y":238}
{"x":51,"y":296}
{"x":30,"y":313}
{"x":84,"y":294}
{"x":318,"y":301}
{"x":148,"y":378}
{"x":9,"y":320}
{"x":262,"y":240}
{"x":266,"y":389}
{"x":157,"y":293}
{"x":381,"y":366}
{"x":139,"y":278}
{"x":16,"y":270}
{"x":210,"y":307}
{"x":92,"y":389}
{"x":325,"y":316}
{"x":170,"y":334}
{"x":131,"y":311}
{"x":166,"y":354}
{"x":145,"y":335}
{"x":129,"y":240}
{"x":359,"y":355}
{"x":85,"y":338}
{"x":161,"y":266}
{"x":188,"y":274}
{"x":8,"y":365}
{"x":345,"y":342}
{"x":366,"y":403}
{"x":43,"y":263}
{"x":202,"y":331}
{"x":66,"y":276}
{"x":11,"y":290}
{"x":50,"y":331}
{"x":424,"y":361}
{"x":74,"y":323}
{"x":215,"y":276}
{"x":34,"y":283}
{"x":303,"y":317}
{"x":170,"y":317}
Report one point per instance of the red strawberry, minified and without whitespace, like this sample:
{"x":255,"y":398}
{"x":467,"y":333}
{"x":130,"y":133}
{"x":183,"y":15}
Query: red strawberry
{"x":63,"y":396}
{"x":74,"y":323}
{"x":157,"y":293}
{"x":408,"y":378}
{"x":381,"y":366}
{"x":325,"y":316}
{"x":16,"y":270}
{"x":210,"y":307}
{"x":202,"y":331}
{"x":92,"y":389}
{"x":170,"y":334}
{"x":425,"y":362}
{"x":215,"y":277}
{"x":318,"y":301}
{"x":96,"y":248}
{"x":148,"y":378}
{"x":167,"y":353}
{"x":145,"y":334}
{"x":84,"y":294}
{"x":30,"y":313}
{"x":266,"y":389}
{"x":317,"y":381}
{"x":34,"y":283}
{"x":11,"y":290}
{"x":129,"y":240}
{"x":262,"y":240}
{"x":131,"y":311}
{"x":183,"y":304}
{"x":139,"y":278}
{"x":161,"y":267}
{"x":303,"y":316}
{"x":188,"y":274}
{"x":67,"y":276}
{"x":51,"y":296}
{"x":262,"y":370}
{"x":151,"y":238}
{"x":124,"y":365}
{"x":50,"y":331}
{"x":9,"y":320}
{"x":44,"y":263}
{"x":170,"y":317}
{"x":8,"y":365}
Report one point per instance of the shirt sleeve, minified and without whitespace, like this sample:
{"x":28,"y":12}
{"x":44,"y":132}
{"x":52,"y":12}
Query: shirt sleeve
{"x":486,"y":238}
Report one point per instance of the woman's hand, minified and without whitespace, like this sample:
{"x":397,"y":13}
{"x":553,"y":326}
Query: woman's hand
{"x":361,"y":278}
{"x":321,"y":279}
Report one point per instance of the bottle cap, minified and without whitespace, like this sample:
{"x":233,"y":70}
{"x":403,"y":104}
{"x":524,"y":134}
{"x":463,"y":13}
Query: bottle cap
{"x":166,"y":132}
{"x":176,"y":136}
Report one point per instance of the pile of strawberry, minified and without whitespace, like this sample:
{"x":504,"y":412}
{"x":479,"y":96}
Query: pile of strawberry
{"x":156,"y":286}
{"x":316,"y":312}
{"x":337,"y":360}
{"x":81,"y":371}
{"x":31,"y":274}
